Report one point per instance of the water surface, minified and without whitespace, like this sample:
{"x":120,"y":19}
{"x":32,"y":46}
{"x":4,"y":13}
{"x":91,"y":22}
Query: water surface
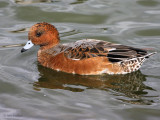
{"x":29,"y":91}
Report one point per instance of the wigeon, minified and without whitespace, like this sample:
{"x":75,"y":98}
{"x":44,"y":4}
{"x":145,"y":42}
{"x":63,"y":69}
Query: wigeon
{"x":84,"y":57}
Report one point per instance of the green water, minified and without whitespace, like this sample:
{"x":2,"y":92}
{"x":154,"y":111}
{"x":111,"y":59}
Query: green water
{"x":29,"y":91}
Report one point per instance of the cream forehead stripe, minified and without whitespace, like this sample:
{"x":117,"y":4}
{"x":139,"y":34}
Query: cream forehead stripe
{"x":28,"y":45}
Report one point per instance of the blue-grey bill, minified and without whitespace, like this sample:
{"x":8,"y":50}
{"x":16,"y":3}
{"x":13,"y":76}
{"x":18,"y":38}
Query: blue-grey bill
{"x":28,"y":45}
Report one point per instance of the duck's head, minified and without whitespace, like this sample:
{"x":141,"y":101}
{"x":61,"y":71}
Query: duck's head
{"x":43,"y":34}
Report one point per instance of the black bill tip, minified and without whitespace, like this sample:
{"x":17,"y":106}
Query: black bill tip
{"x":23,"y":50}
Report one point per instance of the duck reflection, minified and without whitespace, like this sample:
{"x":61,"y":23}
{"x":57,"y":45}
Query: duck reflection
{"x":130,"y":86}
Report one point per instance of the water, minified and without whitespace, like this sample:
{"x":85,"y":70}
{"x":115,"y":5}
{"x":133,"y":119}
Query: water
{"x":28,"y":91}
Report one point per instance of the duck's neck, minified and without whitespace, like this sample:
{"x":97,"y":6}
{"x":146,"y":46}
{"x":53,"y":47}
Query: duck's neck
{"x":51,"y":44}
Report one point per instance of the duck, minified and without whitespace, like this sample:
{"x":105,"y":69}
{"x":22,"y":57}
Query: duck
{"x":83,"y":57}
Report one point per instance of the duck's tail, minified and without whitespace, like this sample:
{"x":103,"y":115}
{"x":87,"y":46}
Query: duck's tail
{"x":149,"y":54}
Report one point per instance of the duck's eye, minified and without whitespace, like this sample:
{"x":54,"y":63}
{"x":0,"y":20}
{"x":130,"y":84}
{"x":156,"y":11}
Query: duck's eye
{"x":38,"y":34}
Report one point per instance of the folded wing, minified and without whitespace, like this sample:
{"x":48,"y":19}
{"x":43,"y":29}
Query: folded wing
{"x":85,"y":49}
